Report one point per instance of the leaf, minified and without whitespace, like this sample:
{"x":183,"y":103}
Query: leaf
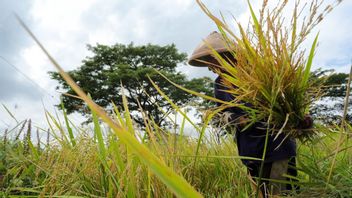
{"x":174,"y":106}
{"x":99,"y":135}
{"x":69,"y":129}
{"x":9,"y":112}
{"x":257,"y":26}
{"x":309,"y":63}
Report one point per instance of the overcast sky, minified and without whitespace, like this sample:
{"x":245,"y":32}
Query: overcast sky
{"x":65,"y":27}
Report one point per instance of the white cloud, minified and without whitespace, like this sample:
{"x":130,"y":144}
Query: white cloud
{"x":34,"y":61}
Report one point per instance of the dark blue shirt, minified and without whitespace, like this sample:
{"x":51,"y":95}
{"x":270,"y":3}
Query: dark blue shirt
{"x":251,"y":141}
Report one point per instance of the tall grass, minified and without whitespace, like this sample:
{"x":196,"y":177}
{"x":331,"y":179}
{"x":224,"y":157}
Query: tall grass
{"x":63,"y":169}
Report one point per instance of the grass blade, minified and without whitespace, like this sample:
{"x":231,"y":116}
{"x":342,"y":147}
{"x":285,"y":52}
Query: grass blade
{"x":69,"y":129}
{"x":309,"y":62}
{"x":99,"y":135}
{"x":9,"y":112}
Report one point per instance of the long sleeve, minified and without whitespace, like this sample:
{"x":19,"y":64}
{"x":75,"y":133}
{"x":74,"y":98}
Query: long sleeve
{"x":251,"y":141}
{"x":221,"y":94}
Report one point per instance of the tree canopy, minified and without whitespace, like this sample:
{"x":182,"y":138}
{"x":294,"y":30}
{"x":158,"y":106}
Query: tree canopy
{"x":102,"y":74}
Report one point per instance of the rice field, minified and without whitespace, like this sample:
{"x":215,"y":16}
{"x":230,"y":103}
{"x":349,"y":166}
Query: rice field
{"x":86,"y":167}
{"x":112,"y":157}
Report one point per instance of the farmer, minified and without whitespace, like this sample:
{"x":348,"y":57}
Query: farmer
{"x":281,"y":152}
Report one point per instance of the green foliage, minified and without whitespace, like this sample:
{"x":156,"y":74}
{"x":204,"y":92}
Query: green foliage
{"x":317,"y":159}
{"x":336,"y":85}
{"x":102,"y":74}
{"x":329,"y":109}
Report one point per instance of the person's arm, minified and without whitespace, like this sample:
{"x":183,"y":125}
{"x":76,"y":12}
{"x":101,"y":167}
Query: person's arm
{"x":234,"y":115}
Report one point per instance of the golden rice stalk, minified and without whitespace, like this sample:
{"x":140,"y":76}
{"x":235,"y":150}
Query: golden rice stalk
{"x":271,"y":71}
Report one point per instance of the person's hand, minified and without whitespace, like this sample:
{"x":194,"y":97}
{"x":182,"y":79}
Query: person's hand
{"x":242,"y":121}
{"x":307,"y":122}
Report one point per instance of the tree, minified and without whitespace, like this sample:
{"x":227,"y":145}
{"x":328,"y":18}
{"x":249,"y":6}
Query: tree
{"x":102,"y":75}
{"x":329,"y":109}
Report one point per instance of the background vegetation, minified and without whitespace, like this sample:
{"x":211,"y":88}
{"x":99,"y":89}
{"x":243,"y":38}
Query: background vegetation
{"x":102,"y":75}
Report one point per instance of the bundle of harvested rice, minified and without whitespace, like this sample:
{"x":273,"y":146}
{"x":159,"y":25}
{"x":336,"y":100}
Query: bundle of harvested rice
{"x":271,"y":70}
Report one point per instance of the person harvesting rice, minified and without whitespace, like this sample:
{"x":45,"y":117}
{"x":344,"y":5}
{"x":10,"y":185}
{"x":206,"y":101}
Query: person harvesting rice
{"x":264,"y":81}
{"x":251,"y":138}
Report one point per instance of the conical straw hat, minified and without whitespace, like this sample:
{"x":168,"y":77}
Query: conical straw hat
{"x":204,"y":53}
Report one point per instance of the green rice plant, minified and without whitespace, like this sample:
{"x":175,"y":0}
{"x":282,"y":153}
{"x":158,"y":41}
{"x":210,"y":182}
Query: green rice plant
{"x":69,"y":129}
{"x":62,"y":169}
{"x":271,"y":71}
{"x":342,"y":136}
{"x":317,"y":158}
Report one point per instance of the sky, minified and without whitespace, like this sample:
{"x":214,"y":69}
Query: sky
{"x":65,"y":27}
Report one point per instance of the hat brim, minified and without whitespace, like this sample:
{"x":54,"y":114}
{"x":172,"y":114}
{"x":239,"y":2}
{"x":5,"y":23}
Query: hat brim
{"x":200,"y":59}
